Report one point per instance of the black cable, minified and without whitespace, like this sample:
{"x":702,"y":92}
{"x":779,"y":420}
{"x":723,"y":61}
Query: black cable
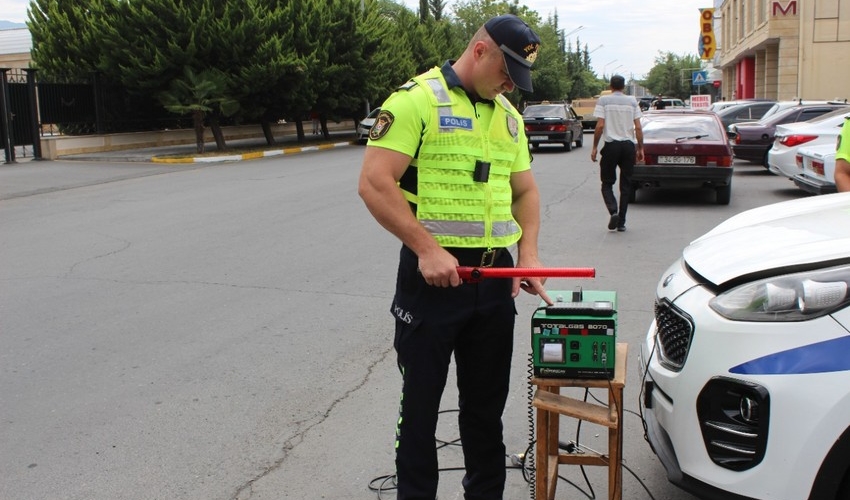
{"x":379,"y":484}
{"x":527,"y":464}
{"x":531,"y":476}
{"x":643,"y":388}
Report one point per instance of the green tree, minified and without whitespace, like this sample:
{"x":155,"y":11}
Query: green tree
{"x":278,"y":59}
{"x":67,"y":37}
{"x":550,"y":68}
{"x":472,"y":14}
{"x":437,"y":8}
{"x":198,"y":94}
{"x":348,"y":51}
{"x":671,"y":75}
{"x":389,"y":30}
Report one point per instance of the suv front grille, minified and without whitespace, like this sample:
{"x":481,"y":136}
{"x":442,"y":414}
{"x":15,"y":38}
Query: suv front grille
{"x":674,"y":330}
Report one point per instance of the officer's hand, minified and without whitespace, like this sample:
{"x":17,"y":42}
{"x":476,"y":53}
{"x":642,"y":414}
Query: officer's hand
{"x":534,"y":286}
{"x":439,"y":268}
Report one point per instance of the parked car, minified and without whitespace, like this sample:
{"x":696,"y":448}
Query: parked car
{"x":365,"y":126}
{"x":721,"y":105}
{"x":745,"y":366}
{"x":781,"y":105}
{"x":752,"y":141}
{"x":782,"y":157}
{"x":669,"y":103}
{"x":744,"y":112}
{"x":818,"y":169}
{"x":684,"y":148}
{"x":552,"y":122}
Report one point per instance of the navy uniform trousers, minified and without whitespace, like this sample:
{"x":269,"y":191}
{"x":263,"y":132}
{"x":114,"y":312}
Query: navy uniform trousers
{"x":475,"y":321}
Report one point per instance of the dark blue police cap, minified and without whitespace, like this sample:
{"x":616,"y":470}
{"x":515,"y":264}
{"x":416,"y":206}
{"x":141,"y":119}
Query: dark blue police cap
{"x":519,"y":43}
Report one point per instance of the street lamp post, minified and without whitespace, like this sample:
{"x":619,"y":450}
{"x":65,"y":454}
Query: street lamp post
{"x":574,"y":31}
{"x":606,"y":66}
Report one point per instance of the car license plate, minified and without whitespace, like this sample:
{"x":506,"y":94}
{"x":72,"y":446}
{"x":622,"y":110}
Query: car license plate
{"x":677,"y":160}
{"x":537,"y":138}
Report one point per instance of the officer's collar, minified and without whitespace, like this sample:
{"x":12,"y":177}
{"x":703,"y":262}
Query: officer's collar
{"x":452,"y":80}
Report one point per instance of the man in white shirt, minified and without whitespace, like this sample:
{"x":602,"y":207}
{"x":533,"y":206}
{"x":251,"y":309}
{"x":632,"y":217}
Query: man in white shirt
{"x":618,"y":122}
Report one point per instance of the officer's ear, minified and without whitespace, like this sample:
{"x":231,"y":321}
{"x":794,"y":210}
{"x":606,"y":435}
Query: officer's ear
{"x":481,"y":48}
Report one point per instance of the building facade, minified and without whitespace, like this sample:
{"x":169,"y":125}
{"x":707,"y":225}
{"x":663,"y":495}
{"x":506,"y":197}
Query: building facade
{"x":15,"y":46}
{"x":785,"y":49}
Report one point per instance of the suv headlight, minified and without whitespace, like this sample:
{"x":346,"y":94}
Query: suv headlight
{"x":791,"y":297}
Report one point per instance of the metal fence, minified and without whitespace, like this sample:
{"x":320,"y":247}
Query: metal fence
{"x":30,"y":109}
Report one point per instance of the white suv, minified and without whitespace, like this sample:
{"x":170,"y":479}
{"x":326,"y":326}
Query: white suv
{"x":746,"y":390}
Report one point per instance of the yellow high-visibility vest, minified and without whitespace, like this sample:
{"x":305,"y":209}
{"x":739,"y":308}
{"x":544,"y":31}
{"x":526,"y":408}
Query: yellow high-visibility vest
{"x":457,"y":210}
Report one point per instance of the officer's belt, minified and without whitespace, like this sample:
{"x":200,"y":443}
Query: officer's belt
{"x":477,"y":257}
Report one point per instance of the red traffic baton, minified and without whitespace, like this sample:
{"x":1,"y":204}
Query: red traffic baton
{"x":476,"y":274}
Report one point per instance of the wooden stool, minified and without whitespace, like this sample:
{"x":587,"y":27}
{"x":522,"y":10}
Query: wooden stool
{"x":551,"y":405}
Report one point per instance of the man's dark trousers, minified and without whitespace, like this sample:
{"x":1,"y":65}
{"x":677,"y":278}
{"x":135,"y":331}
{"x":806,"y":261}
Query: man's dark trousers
{"x":475,"y":321}
{"x":616,"y":153}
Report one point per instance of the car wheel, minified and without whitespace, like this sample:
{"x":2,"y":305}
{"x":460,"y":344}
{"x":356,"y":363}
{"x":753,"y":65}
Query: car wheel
{"x":633,"y":193}
{"x":568,"y":145}
{"x":580,"y":140}
{"x":724,"y":194}
{"x":764,"y":160}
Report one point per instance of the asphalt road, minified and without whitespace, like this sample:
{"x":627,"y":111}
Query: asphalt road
{"x":222,"y":331}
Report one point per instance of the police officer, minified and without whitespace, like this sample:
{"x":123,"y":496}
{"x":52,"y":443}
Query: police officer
{"x":447,"y":171}
{"x":842,"y":158}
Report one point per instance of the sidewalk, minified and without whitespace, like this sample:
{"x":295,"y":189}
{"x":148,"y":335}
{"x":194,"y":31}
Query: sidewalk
{"x":187,"y":153}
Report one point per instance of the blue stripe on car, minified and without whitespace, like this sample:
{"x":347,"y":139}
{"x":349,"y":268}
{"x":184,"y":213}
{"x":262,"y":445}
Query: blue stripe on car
{"x":823,"y":357}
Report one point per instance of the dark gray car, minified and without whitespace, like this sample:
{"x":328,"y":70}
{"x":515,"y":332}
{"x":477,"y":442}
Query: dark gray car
{"x":744,"y":112}
{"x":547,"y":123}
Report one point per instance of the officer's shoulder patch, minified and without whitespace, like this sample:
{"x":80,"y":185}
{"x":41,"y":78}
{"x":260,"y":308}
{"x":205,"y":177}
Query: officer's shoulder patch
{"x":382,"y":124}
{"x":409,"y":85}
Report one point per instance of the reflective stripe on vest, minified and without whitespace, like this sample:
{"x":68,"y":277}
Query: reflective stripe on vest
{"x":468,"y":229}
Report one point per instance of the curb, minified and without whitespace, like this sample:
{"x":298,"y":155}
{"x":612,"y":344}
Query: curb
{"x":248,"y":156}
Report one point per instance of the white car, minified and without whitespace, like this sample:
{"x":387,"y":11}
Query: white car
{"x":671,"y":103}
{"x":781,"y":105}
{"x":721,"y":105}
{"x":365,"y":126}
{"x":818,"y":169}
{"x":746,"y":366}
{"x":781,"y":158}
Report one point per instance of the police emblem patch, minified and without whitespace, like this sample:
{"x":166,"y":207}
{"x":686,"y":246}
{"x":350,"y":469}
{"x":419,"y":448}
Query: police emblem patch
{"x":513,"y":126}
{"x":381,"y":126}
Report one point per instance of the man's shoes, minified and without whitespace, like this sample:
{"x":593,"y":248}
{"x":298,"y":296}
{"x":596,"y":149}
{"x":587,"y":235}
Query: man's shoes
{"x":621,"y":227}
{"x":614,"y":221}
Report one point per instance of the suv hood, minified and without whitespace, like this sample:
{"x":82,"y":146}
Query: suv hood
{"x":782,"y":235}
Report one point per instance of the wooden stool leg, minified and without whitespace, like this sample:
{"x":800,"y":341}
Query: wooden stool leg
{"x":615,"y":446}
{"x":546,"y":476}
{"x":542,"y":454}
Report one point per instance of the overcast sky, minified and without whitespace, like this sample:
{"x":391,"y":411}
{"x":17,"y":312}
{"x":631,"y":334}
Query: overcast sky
{"x":630,"y":33}
{"x":625,"y":36}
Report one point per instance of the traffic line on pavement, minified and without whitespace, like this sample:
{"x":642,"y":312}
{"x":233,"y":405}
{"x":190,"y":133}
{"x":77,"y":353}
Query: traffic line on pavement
{"x":248,"y":156}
